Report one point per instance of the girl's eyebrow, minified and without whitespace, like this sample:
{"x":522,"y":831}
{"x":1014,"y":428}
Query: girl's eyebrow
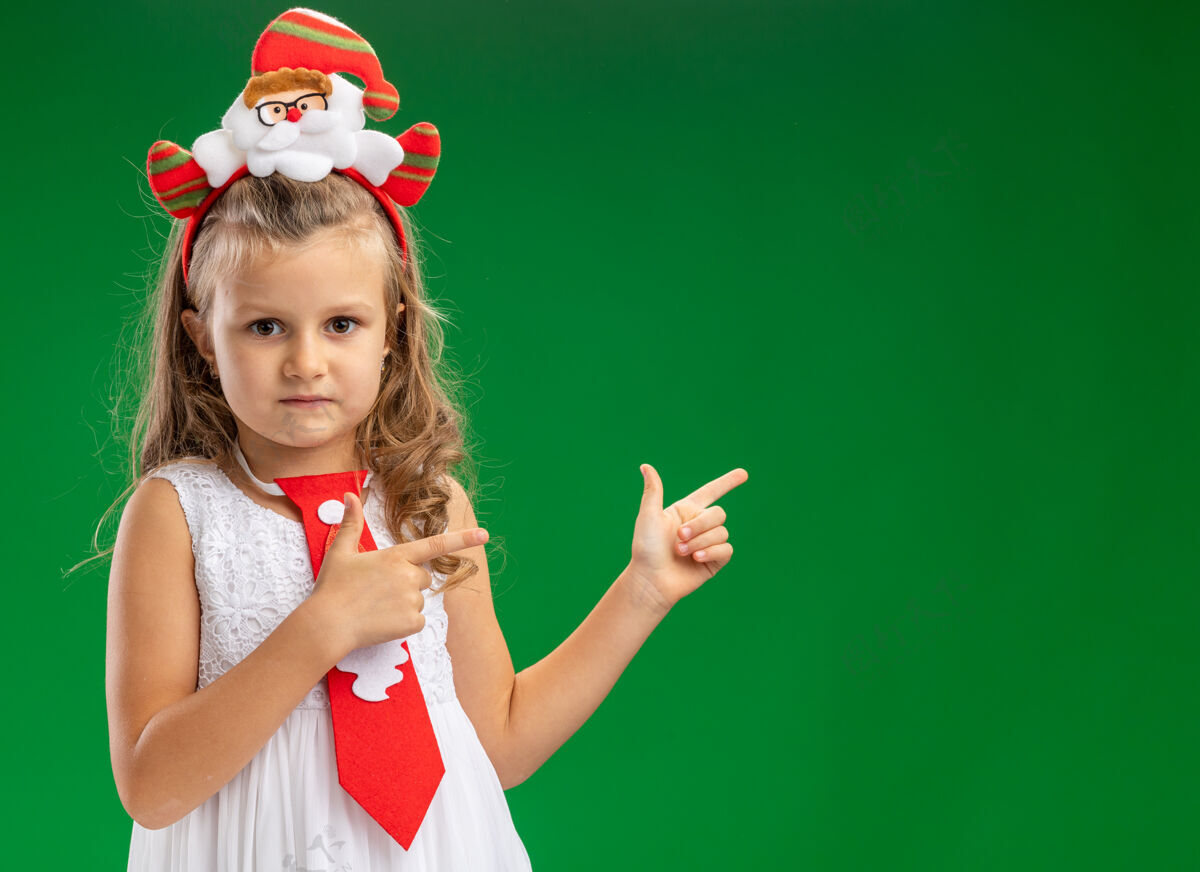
{"x":253,"y":306}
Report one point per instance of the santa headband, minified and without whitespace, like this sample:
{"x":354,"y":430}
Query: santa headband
{"x":298,"y":117}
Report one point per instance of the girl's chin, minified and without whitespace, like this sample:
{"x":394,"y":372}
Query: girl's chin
{"x":303,"y":425}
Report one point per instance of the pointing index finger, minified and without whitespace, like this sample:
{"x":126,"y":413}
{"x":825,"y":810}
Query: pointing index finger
{"x":423,"y":550}
{"x":707,"y":494}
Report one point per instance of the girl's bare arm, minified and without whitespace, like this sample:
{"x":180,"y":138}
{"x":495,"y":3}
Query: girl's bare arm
{"x":522,"y":719}
{"x":172,"y":746}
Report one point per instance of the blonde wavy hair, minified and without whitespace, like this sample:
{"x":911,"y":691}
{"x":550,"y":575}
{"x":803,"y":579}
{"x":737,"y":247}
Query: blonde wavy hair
{"x":413,"y":434}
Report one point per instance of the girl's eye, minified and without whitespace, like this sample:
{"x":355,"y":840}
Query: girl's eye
{"x":342,"y":326}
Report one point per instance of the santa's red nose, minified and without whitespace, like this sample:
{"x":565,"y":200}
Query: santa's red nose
{"x":294,"y":114}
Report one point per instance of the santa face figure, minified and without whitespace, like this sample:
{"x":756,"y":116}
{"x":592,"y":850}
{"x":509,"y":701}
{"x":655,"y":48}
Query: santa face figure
{"x":298,"y":122}
{"x":301,"y":123}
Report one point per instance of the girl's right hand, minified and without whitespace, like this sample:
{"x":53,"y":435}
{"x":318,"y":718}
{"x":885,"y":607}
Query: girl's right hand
{"x":375,"y":596}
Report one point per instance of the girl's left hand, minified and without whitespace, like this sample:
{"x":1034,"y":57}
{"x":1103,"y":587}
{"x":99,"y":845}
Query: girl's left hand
{"x":659,"y":564}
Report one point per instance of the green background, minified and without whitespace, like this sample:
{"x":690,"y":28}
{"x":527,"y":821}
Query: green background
{"x":922,"y":269}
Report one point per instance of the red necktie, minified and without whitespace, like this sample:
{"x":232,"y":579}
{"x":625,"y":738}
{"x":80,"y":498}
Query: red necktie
{"x":387,"y":753}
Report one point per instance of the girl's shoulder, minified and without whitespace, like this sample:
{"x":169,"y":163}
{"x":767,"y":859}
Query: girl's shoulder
{"x":197,"y":482}
{"x":184,"y":468}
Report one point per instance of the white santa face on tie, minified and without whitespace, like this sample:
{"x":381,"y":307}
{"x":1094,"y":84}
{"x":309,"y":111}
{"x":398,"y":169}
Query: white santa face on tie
{"x":298,"y":122}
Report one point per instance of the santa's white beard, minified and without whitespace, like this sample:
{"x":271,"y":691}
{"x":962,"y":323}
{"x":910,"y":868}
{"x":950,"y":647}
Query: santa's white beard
{"x":280,"y":136}
{"x":303,"y":150}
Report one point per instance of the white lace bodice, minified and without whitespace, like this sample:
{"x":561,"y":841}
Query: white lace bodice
{"x":253,"y":568}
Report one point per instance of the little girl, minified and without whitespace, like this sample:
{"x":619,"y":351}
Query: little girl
{"x":293,"y":345}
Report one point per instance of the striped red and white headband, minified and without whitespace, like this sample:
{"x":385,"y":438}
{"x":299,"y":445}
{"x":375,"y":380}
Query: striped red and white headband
{"x":299,"y":118}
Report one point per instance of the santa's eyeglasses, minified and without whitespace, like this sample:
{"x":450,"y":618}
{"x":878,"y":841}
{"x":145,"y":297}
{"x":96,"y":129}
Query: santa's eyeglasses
{"x":276,"y":111}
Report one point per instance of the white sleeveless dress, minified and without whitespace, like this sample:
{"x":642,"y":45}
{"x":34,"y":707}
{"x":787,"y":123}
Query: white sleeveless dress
{"x":285,"y":810}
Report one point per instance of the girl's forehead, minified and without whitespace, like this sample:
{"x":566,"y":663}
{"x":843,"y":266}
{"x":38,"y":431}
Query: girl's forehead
{"x":325,"y":272}
{"x":337,"y":248}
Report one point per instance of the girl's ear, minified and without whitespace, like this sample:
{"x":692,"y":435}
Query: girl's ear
{"x":195,"y":328}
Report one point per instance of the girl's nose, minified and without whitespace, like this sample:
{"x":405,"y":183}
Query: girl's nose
{"x":305,"y":358}
{"x":294,"y":114}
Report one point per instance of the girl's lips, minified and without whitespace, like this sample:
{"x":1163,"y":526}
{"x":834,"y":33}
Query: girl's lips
{"x":307,"y":404}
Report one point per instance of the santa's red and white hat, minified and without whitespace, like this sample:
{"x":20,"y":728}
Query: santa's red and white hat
{"x":315,"y":41}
